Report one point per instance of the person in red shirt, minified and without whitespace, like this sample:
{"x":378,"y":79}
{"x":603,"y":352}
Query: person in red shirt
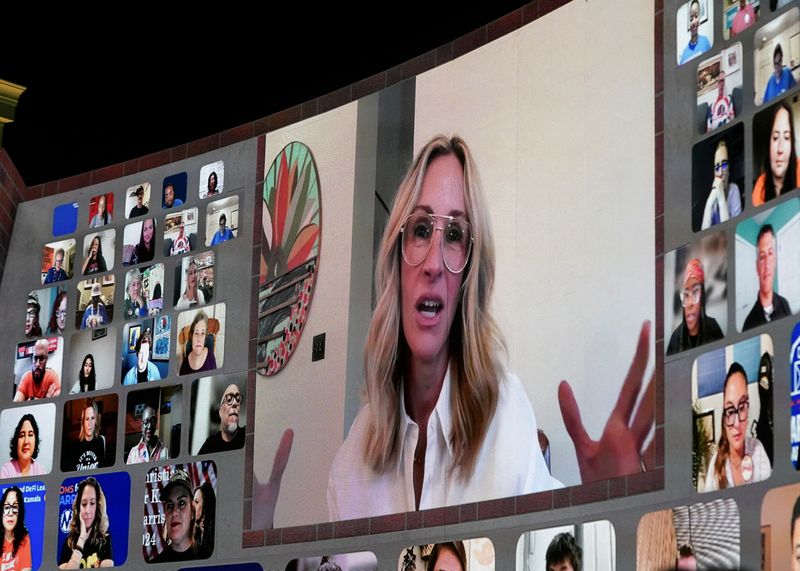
{"x":16,"y":539}
{"x":40,"y":382}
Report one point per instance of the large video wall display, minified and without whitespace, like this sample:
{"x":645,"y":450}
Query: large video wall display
{"x":731,"y":285}
{"x":451,"y":324}
{"x":109,"y":398}
{"x":468,"y":285}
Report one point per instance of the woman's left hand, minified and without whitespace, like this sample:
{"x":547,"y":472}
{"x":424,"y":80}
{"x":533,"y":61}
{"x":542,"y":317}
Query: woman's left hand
{"x":619,"y":450}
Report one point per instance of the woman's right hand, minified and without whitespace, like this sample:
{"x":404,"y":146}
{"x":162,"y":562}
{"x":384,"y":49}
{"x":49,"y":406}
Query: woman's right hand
{"x":84,"y":535}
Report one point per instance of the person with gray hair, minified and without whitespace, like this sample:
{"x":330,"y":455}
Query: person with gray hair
{"x":135,"y":304}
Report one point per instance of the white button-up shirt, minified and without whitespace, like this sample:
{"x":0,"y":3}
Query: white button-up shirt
{"x":509,"y":462}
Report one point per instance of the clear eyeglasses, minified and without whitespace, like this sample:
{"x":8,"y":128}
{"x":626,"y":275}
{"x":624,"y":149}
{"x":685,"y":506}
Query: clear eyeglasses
{"x":691,"y":296}
{"x":456,"y":242}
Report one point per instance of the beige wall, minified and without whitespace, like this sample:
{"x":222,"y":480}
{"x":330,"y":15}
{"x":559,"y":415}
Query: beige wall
{"x":560,"y":121}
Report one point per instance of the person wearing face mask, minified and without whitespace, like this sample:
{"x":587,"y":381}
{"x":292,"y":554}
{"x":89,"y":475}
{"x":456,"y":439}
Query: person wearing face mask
{"x":150,"y":447}
{"x":230,"y":435}
{"x":739,"y":458}
{"x":697,"y":328}
{"x":16,"y":539}
{"x":179,"y":524}
{"x":88,"y":543}
{"x":145,"y":370}
{"x":24,"y":448}
{"x":89,"y":453}
{"x":698,"y":43}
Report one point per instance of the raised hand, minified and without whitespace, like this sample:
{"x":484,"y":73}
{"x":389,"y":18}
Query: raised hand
{"x":619,"y":450}
{"x":265,"y":496}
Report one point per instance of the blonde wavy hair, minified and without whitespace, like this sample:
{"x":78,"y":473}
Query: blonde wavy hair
{"x":476,"y":366}
{"x":90,"y":403}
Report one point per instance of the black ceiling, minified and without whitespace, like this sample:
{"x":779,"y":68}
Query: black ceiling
{"x":99,"y":95}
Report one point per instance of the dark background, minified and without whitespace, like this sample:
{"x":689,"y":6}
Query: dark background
{"x":101,"y":94}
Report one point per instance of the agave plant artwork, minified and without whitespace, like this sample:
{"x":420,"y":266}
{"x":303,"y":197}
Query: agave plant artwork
{"x":291,"y":221}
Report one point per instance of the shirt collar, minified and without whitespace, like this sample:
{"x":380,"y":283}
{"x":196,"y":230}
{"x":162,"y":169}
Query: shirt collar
{"x":442,"y":411}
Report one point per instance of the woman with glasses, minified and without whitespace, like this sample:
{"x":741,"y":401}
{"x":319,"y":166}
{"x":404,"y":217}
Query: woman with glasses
{"x":444,"y":423}
{"x":696,"y":328}
{"x":58,"y":315}
{"x":16,"y":539}
{"x":725,"y":200}
{"x":739,"y":458}
{"x":88,"y":543}
{"x":779,"y":173}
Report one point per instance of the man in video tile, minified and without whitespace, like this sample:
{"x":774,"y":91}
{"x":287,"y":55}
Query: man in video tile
{"x":564,"y":554}
{"x":150,"y":447}
{"x":40,"y":382}
{"x":769,"y":304}
{"x":169,"y":197}
{"x":139,"y":208}
{"x":230,"y":436}
{"x":145,"y":370}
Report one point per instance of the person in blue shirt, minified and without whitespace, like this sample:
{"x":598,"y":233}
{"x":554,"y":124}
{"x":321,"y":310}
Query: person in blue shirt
{"x":224,"y":233}
{"x":144,"y":370}
{"x":781,"y":80}
{"x":697,"y":43}
{"x":56,"y":273}
{"x":169,"y":197}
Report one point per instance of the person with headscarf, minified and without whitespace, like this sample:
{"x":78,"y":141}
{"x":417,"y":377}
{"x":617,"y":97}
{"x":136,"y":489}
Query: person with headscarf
{"x":696,"y":328}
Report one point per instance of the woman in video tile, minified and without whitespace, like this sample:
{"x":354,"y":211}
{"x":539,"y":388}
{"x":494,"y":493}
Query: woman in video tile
{"x":146,"y":248}
{"x":58,"y":314}
{"x":779,"y":171}
{"x":89,"y":453}
{"x":16,"y":539}
{"x":697,"y":328}
{"x":24,"y":447}
{"x":739,"y":459}
{"x":87,"y":378}
{"x":201,"y":356}
{"x":94,"y":262}
{"x":89,"y":542}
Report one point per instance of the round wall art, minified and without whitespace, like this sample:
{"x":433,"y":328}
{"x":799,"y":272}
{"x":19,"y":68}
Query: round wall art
{"x":291,"y":219}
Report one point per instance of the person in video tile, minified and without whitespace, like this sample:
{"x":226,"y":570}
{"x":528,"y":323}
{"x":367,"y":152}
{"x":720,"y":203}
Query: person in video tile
{"x":192,"y":295}
{"x":204,"y":503}
{"x":564,"y":554}
{"x":56,"y":273}
{"x":58,"y":315}
{"x":16,"y":539}
{"x":769,"y":305}
{"x":450,"y":556}
{"x":698,"y":44}
{"x":145,"y":370}
{"x":89,"y":453}
{"x":230,"y":436}
{"x":201,"y":356}
{"x":145,"y":249}
{"x":89,"y":542}
{"x":139,"y":209}
{"x":32,"y":327}
{"x":24,"y":447}
{"x":94,"y":262}
{"x":103,"y":216}
{"x":739,"y":458}
{"x":697,"y":328}
{"x":169,"y":197}
{"x":224,"y":233}
{"x":135,"y":304}
{"x":744,"y":18}
{"x":40,"y":382}
{"x":150,"y":448}
{"x":180,"y":522}
{"x":780,"y":81}
{"x":779,"y":173}
{"x":95,"y":315}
